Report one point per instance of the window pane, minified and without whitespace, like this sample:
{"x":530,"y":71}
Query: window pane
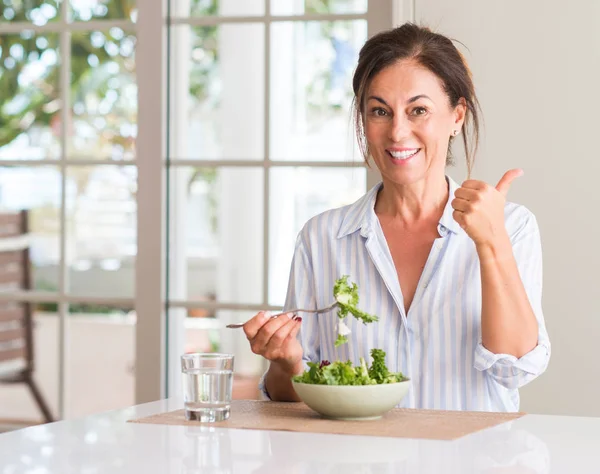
{"x":296,"y":195}
{"x":216,"y":234}
{"x":37,"y":190}
{"x":29,"y":96}
{"x":195,"y":8}
{"x":16,"y":401}
{"x":296,"y":7}
{"x":110,"y":331}
{"x":102,"y":230}
{"x":85,"y":10}
{"x":38,"y":12}
{"x":311,"y":89}
{"x":217,"y":92}
{"x":206,"y":332}
{"x":103,"y":95}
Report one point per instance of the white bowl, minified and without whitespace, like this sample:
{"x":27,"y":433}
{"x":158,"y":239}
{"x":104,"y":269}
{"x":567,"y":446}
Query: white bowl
{"x":352,"y":402}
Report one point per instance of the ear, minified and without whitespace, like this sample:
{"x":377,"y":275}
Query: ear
{"x":460,"y":112}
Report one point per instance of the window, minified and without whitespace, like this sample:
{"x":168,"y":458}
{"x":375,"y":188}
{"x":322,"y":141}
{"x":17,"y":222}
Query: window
{"x":253,"y":99}
{"x":68,"y":125}
{"x":261,"y":139}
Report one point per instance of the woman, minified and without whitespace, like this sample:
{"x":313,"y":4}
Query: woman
{"x":453,"y":272}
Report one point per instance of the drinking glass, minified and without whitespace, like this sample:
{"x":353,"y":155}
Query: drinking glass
{"x":207,"y":386}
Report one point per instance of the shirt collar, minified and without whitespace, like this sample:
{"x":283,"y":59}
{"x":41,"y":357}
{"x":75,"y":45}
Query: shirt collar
{"x":447,"y":221}
{"x":361,"y":215}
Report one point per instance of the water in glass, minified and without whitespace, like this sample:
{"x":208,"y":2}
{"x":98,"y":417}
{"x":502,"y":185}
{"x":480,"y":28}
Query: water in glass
{"x":207,"y":388}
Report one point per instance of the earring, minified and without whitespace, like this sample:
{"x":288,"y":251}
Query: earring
{"x":454,"y":133}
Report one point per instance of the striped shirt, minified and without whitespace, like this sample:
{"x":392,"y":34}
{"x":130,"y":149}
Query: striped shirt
{"x":438,"y":343}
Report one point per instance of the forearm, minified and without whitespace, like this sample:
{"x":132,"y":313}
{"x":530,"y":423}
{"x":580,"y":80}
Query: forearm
{"x":279,"y":384}
{"x":508,"y":323}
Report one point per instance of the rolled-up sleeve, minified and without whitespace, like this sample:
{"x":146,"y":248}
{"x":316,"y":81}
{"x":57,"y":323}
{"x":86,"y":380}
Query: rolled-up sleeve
{"x":300,"y":294}
{"x":507,"y":370}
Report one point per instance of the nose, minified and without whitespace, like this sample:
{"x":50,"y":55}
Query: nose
{"x":399,"y":128}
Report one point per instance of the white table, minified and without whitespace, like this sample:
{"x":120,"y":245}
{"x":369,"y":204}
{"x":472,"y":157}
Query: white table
{"x":105,"y":443}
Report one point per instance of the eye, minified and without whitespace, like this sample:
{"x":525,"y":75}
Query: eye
{"x":378,"y":112}
{"x":419,"y":111}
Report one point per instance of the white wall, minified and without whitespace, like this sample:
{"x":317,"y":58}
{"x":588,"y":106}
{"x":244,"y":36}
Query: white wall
{"x":536,"y":66}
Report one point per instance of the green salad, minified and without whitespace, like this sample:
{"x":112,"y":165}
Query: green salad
{"x":342,"y":373}
{"x":346,"y":296}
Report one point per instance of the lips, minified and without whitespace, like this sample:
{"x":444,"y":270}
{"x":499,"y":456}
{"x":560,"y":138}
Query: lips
{"x":404,"y":155}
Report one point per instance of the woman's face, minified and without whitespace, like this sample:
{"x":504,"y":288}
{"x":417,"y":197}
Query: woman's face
{"x":408,"y":122}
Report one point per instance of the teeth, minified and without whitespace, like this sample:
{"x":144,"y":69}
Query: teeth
{"x":403,"y":155}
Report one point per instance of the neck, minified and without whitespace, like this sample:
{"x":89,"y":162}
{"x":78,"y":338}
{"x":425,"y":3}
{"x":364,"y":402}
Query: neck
{"x":415,"y":202}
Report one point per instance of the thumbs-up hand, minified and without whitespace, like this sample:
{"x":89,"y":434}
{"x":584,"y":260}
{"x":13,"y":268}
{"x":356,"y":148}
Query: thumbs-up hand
{"x":479,"y":208}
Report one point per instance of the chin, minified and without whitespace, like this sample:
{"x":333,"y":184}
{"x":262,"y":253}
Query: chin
{"x":404,"y":177}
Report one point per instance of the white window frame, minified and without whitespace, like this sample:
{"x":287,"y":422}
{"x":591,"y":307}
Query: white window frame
{"x":379,"y":18}
{"x":62,"y":297}
{"x":152,"y":330}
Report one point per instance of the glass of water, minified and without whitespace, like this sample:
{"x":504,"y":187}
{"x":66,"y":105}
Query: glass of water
{"x":207,"y":386}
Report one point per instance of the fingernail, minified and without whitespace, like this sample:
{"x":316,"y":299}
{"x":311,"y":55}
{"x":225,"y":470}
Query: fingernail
{"x":289,"y":315}
{"x":299,"y":319}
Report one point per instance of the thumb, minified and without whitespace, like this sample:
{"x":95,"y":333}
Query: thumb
{"x":506,"y":180}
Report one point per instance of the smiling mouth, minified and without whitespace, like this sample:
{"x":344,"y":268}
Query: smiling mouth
{"x":403,"y":155}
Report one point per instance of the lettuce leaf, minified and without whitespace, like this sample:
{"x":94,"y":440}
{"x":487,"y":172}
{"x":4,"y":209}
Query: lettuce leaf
{"x":343,"y":373}
{"x":340,"y":340}
{"x":347,"y":297}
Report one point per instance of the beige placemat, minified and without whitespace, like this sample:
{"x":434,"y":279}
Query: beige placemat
{"x":397,"y":423}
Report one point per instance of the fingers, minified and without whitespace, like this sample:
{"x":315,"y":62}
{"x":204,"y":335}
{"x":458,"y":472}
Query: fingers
{"x":294,"y":333}
{"x":252,"y":327}
{"x":259,"y":342}
{"x":504,"y":184}
{"x":460,"y":218}
{"x":461,"y":205}
{"x":475,"y":184}
{"x":467,"y":194}
{"x":283,"y":335}
{"x":466,"y":199}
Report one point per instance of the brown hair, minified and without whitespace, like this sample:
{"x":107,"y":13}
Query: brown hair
{"x":432,"y":51}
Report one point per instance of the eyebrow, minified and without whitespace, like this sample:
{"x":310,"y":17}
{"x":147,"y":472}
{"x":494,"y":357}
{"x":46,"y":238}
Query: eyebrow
{"x":410,"y":101}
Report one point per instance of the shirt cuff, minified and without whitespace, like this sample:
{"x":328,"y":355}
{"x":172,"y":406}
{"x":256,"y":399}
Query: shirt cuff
{"x":264,"y":395}
{"x":534,"y":362}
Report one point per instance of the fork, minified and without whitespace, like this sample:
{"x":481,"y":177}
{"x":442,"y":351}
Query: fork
{"x":296,"y":310}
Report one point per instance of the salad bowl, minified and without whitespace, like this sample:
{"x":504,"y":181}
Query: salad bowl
{"x":352,"y":402}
